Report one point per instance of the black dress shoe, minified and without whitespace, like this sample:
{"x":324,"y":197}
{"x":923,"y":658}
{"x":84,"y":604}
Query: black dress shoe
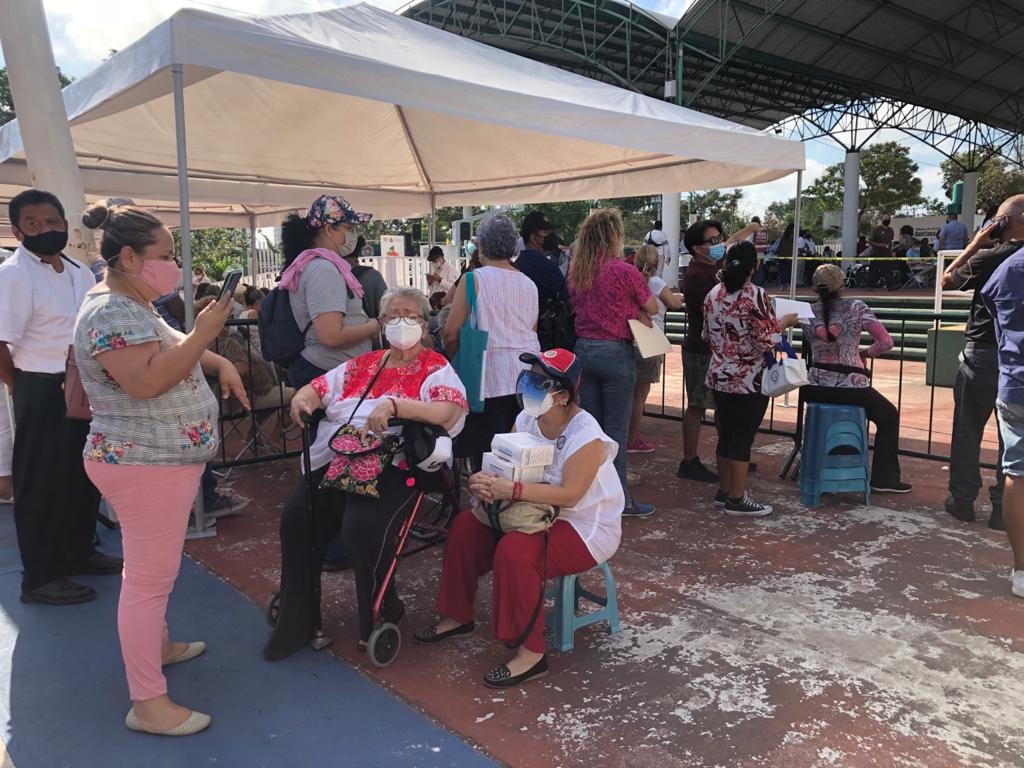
{"x":500,"y":677}
{"x":59,"y":592}
{"x":99,"y":564}
{"x":430,"y":635}
{"x":995,"y":522}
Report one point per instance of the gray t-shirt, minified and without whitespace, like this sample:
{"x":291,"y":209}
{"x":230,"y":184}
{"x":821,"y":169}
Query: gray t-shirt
{"x":322,"y":289}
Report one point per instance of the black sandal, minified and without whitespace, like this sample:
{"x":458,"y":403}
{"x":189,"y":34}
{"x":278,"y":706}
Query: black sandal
{"x":430,"y":635}
{"x":500,"y":677}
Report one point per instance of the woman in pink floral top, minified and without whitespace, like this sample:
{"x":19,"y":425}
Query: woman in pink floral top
{"x":406,"y":381}
{"x":154,"y":427}
{"x":740,"y":328}
{"x":838,"y":374}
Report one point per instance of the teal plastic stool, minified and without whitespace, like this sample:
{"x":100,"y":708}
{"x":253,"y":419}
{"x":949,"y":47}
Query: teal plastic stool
{"x":567,"y":593}
{"x":834,"y":456}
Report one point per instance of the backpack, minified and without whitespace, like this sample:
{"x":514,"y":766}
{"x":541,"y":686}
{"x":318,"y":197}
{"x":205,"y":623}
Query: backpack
{"x":281,"y":339}
{"x":556,"y":324}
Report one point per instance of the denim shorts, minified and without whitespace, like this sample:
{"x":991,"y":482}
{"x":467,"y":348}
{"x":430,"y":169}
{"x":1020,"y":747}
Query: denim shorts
{"x":1011,"y":429}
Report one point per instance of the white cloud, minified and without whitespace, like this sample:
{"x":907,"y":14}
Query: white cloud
{"x":83,"y":33}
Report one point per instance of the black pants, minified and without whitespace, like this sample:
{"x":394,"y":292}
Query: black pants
{"x":498,"y":416}
{"x":974,"y":398}
{"x":301,"y":372}
{"x":55,"y":505}
{"x":885,"y":466}
{"x":739,"y":416}
{"x":368,"y":530}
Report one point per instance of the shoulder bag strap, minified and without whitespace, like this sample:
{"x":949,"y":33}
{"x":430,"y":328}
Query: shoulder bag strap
{"x":380,"y":367}
{"x":471,"y":299}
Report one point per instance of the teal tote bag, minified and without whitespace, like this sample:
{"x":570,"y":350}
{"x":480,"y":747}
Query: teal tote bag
{"x":470,"y":360}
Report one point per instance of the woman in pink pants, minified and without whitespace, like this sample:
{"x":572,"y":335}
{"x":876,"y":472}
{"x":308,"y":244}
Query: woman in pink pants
{"x":153,"y":429}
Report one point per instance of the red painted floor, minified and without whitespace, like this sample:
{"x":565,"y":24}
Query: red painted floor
{"x":841,"y":635}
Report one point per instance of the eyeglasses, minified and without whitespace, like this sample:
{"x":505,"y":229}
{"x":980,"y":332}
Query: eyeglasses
{"x":713,"y":240}
{"x":409,"y":318}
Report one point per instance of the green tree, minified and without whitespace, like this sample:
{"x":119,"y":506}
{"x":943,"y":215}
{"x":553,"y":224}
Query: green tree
{"x":721,"y":205}
{"x":996,"y":180}
{"x":6,"y":100}
{"x":217,"y":249}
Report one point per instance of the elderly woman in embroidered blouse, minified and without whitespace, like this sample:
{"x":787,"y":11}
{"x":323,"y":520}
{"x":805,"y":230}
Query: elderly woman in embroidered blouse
{"x":406,"y":381}
{"x":838,"y":374}
{"x":154,"y":427}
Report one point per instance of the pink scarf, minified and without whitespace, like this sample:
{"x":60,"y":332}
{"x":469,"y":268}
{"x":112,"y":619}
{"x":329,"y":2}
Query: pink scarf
{"x":290,"y":277}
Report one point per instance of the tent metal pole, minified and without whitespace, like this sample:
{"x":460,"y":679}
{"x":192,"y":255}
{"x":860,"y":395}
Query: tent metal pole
{"x":252,"y":248}
{"x":433,"y":221}
{"x":185,"y":229}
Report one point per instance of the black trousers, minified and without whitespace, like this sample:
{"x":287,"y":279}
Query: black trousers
{"x":974,"y":399}
{"x":368,"y":531}
{"x":498,"y":416}
{"x":885,"y":466}
{"x":55,"y":504}
{"x":739,"y":416}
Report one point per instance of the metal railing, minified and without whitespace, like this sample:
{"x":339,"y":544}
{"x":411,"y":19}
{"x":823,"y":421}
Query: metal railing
{"x":903,"y":378}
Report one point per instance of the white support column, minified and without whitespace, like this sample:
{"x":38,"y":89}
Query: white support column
{"x":670,"y":226}
{"x":796,"y":234}
{"x":45,"y":134}
{"x":252,"y":249}
{"x":851,"y":207}
{"x":467,"y":212}
{"x":970,"y":202}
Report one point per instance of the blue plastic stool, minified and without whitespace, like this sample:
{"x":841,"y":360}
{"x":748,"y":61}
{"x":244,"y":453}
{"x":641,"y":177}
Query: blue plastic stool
{"x":567,"y":592}
{"x":826,"y":428}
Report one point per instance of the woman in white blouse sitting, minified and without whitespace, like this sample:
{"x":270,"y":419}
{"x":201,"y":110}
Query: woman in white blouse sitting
{"x":581,"y":482}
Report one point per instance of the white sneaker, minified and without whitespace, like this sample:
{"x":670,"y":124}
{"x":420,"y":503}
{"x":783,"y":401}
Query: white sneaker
{"x":1018,"y":583}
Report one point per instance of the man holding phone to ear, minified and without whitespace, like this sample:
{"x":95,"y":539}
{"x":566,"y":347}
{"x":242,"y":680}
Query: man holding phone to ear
{"x":974,"y":393}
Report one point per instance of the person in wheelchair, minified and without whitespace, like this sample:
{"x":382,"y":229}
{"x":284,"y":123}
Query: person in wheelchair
{"x":581,"y":483}
{"x":408,"y":382}
{"x":837,"y":372}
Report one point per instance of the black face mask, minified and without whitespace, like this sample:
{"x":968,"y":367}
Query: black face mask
{"x":47,"y":243}
{"x":886,"y":222}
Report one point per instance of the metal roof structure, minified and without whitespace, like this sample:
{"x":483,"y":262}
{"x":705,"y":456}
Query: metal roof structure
{"x":762,"y":62}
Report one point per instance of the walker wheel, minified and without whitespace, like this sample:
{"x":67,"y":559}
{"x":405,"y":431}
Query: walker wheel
{"x":384,"y":645}
{"x":273,"y":608}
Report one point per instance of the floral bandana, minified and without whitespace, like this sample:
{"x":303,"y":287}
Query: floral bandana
{"x":359,"y":461}
{"x":330,"y":209}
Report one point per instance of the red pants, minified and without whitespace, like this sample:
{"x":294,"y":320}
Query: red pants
{"x":518,"y":563}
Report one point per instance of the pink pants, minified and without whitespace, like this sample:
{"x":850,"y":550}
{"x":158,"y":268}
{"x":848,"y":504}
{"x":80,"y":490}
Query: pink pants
{"x":152,"y":504}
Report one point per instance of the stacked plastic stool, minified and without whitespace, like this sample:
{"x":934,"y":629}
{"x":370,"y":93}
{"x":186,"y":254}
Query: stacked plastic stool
{"x":567,"y":593}
{"x":834,"y":456}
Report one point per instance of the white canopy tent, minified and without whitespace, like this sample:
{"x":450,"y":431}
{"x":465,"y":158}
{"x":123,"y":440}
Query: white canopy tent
{"x":397,"y":116}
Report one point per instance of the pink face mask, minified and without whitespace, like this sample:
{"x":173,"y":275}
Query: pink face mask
{"x":162,"y":275}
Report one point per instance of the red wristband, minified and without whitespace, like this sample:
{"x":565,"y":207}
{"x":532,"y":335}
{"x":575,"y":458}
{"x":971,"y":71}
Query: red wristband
{"x":517,"y":490}
{"x":394,"y":407}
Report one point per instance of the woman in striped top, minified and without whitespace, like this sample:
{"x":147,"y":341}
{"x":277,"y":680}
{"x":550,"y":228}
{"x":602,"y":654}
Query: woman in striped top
{"x":507,"y":308}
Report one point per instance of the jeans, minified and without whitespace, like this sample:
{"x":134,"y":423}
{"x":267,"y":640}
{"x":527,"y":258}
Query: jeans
{"x":974,"y":398}
{"x":609,"y":375}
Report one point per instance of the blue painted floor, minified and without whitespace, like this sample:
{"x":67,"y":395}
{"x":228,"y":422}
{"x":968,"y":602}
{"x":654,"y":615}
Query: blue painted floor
{"x":63,"y":694}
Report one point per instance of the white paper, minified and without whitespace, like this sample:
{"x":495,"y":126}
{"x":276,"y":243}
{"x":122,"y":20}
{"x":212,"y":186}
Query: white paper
{"x":651,"y":341}
{"x":785,"y":307}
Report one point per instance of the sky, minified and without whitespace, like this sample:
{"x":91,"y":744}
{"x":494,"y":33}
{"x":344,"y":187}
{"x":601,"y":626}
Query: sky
{"x":83,"y":33}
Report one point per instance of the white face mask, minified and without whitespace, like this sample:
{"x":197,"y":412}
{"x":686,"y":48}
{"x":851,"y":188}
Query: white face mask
{"x":348,"y":247}
{"x":534,"y":407}
{"x":403,"y":333}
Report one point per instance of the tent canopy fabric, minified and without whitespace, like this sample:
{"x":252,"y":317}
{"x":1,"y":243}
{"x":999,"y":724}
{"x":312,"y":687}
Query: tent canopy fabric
{"x":393,"y":114}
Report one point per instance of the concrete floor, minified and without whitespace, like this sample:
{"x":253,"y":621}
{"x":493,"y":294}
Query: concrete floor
{"x":841,"y":635}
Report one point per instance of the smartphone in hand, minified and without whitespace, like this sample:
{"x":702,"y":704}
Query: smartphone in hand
{"x":231,"y":280}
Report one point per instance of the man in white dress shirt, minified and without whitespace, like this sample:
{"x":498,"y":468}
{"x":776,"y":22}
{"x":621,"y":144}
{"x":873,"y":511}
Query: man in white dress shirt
{"x":55,"y":505}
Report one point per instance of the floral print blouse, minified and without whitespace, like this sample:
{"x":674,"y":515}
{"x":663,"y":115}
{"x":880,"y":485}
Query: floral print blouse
{"x":428,"y":377}
{"x":739,"y":328}
{"x":178,"y":427}
{"x":847,"y":318}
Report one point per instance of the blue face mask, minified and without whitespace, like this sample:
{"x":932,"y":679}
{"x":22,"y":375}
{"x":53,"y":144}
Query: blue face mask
{"x":716,"y":252}
{"x":533,"y":390}
{"x":470,"y":249}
